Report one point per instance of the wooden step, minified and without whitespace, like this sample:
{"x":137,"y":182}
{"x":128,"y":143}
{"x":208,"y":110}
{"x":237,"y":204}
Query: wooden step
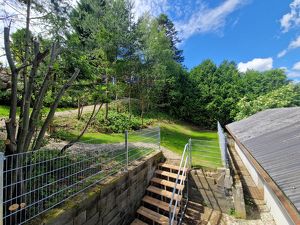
{"x":168,"y":174}
{"x":138,"y":222}
{"x":160,"y":204}
{"x":167,"y":183}
{"x":164,"y":193}
{"x":154,"y":216}
{"x":170,"y":166}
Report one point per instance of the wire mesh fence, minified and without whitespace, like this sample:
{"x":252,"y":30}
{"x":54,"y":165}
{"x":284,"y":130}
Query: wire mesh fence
{"x":223,"y":145}
{"x":35,"y":182}
{"x":142,"y":142}
{"x":210,"y":152}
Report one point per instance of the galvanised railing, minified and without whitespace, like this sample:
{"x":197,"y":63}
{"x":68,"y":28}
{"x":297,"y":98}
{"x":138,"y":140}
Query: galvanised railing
{"x":223,"y":145}
{"x":32,"y":183}
{"x":182,"y":172}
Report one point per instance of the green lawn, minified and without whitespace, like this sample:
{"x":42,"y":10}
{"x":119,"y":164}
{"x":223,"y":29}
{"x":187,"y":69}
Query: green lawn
{"x":174,"y":136}
{"x":205,"y":147}
{"x":4,"y":111}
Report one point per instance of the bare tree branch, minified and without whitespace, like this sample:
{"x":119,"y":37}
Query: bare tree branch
{"x":38,"y":104}
{"x":52,"y":110}
{"x":24,"y":127}
{"x":92,"y":117}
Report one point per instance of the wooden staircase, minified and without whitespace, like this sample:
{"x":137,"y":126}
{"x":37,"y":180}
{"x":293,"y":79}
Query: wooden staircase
{"x":155,"y":204}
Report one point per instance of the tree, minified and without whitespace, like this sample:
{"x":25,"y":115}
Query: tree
{"x":31,"y":61}
{"x":105,"y":26}
{"x":255,"y":83}
{"x":285,"y":96}
{"x":165,"y":23}
{"x":156,"y":57}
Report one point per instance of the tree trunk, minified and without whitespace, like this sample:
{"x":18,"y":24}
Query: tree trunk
{"x":24,"y":125}
{"x":142,"y":109}
{"x":11,"y":123}
{"x":25,"y":59}
{"x":79,"y":109}
{"x":106,"y":93}
{"x":129,"y":103}
{"x":53,"y":108}
{"x":38,"y":104}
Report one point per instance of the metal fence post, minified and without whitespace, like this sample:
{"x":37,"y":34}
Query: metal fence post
{"x":190,"y":152}
{"x":159,"y":138}
{"x":126,"y":148}
{"x":1,"y":186}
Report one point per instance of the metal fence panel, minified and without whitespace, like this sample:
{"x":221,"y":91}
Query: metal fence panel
{"x":35,"y":182}
{"x":143,"y":142}
{"x":223,"y":145}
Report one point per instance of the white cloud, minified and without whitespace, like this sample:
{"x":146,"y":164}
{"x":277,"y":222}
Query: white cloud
{"x":292,"y":18}
{"x":192,"y":17}
{"x":154,"y":7}
{"x":293,"y":45}
{"x":208,"y":19}
{"x":282,"y":53}
{"x":293,"y":74}
{"x":260,"y":64}
{"x":296,"y":66}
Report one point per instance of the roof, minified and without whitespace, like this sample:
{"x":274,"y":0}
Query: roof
{"x":273,"y":138}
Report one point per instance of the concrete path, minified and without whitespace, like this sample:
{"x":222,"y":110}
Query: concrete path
{"x":256,"y":209}
{"x":171,"y":157}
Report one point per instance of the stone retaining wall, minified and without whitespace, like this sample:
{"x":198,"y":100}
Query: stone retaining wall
{"x":113,"y":202}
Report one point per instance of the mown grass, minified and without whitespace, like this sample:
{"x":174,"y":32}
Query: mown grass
{"x":174,"y":136}
{"x":205,"y":147}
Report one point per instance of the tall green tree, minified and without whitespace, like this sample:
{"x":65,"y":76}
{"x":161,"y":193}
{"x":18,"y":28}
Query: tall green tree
{"x":165,"y":23}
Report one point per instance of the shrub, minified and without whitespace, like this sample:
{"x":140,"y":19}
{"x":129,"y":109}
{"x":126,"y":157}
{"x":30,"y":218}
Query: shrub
{"x":119,"y":122}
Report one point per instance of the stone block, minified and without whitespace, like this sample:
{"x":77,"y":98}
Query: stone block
{"x":105,"y":205}
{"x":70,"y":223}
{"x":80,"y":218}
{"x":93,"y":220}
{"x":110,"y":216}
{"x":91,"y":210}
{"x":239,"y":202}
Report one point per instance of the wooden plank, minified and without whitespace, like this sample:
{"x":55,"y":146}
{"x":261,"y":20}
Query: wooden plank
{"x":164,"y":193}
{"x":160,"y":204}
{"x":167,"y":183}
{"x":170,"y":166}
{"x":168,"y":174}
{"x":138,"y":222}
{"x":154,"y":216}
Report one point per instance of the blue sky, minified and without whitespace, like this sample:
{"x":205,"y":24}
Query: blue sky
{"x":256,"y":34}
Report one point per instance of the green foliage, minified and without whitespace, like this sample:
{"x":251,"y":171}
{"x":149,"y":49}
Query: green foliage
{"x":121,"y":58}
{"x":211,"y":93}
{"x":284,"y":96}
{"x":119,"y":122}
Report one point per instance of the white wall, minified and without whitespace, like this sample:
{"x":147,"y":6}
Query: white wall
{"x":278,"y":212}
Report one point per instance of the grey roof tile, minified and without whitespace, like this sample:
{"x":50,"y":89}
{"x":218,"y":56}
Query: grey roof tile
{"x":273,"y":138}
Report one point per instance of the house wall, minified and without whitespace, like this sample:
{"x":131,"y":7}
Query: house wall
{"x":278,"y":212}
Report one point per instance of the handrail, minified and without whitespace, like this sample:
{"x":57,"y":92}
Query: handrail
{"x":184,"y":158}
